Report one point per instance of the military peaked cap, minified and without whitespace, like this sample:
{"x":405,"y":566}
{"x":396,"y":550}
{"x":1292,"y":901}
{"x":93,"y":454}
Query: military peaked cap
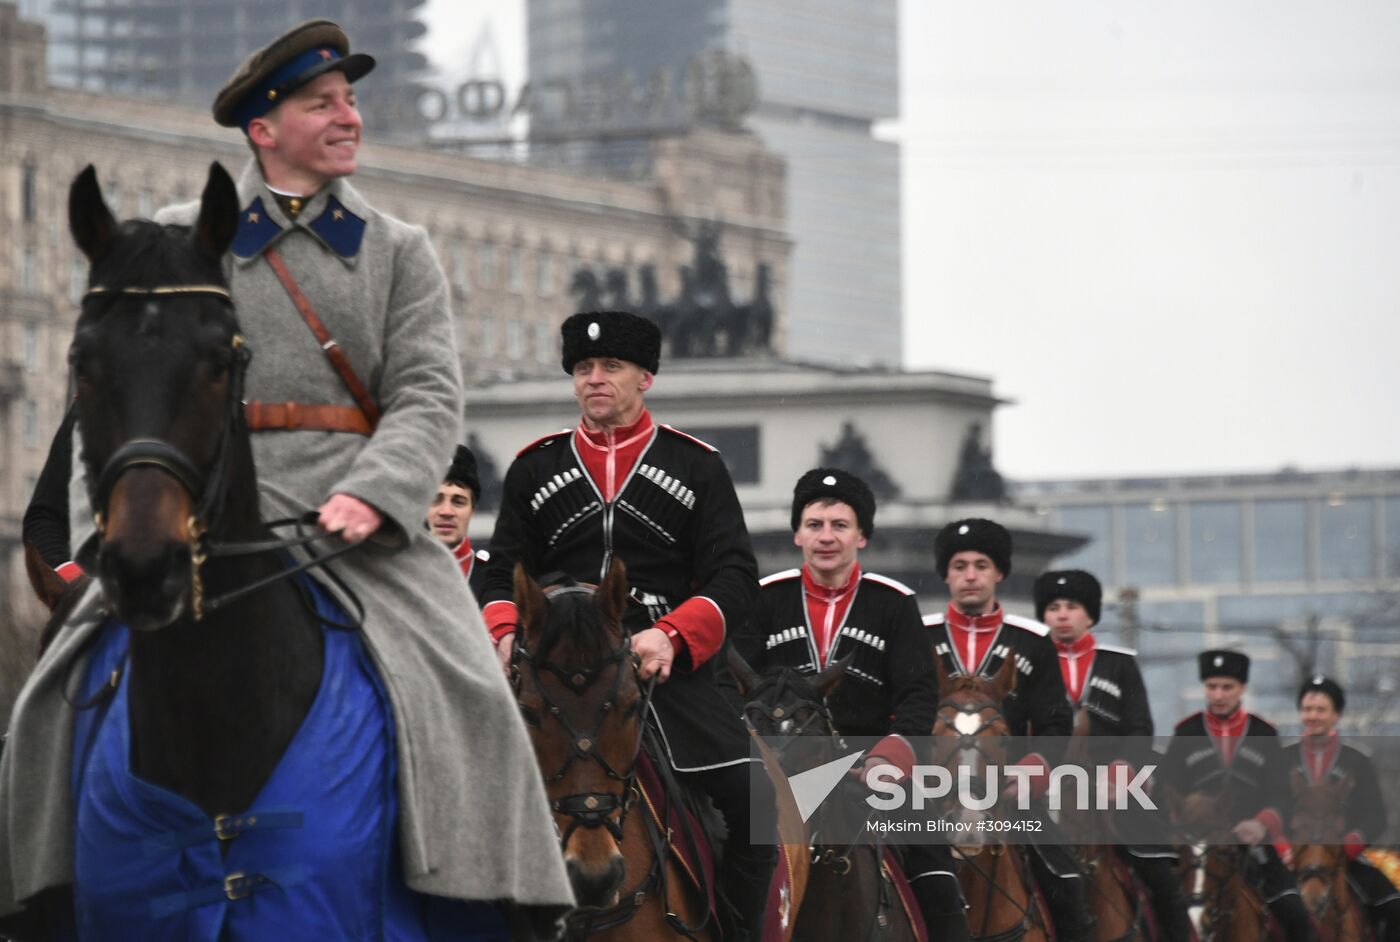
{"x":277,"y":70}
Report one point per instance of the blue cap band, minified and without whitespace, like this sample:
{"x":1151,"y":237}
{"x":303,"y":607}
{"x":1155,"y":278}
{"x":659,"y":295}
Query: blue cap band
{"x":280,"y":83}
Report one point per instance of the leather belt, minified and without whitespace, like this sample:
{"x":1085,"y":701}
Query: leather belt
{"x":293,"y":416}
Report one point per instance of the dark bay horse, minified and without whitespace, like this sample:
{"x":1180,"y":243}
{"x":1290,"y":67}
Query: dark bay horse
{"x":585,"y":705}
{"x":193,"y":816}
{"x":849,"y":892}
{"x":995,"y":878}
{"x":1117,"y":903}
{"x":157,"y":359}
{"x":1319,"y":857}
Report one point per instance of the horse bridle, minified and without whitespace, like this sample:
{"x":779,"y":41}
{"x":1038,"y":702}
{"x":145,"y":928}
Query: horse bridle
{"x":588,"y":809}
{"x":206,"y":490}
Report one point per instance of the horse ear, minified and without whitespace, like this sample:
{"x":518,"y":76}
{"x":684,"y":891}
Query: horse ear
{"x":612,"y":595}
{"x":744,"y":675}
{"x":1296,"y":784}
{"x":218,"y":214}
{"x":1171,"y":799}
{"x":830,"y":678}
{"x":1005,"y":679}
{"x":941,"y":672}
{"x":89,"y":219}
{"x":529,"y":601}
{"x":47,"y":584}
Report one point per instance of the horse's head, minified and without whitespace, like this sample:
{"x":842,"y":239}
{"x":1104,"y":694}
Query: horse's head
{"x":971,"y":733}
{"x":1202,"y":817}
{"x":1318,"y":826}
{"x":157,"y":364}
{"x":786,"y":702}
{"x":579,"y":693}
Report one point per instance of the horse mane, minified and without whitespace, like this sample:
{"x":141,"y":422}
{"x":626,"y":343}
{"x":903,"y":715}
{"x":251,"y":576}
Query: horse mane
{"x":572,"y":616}
{"x":147,"y":254}
{"x":784,"y":679}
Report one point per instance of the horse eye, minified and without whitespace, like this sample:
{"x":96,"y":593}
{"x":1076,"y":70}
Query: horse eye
{"x":79,"y":363}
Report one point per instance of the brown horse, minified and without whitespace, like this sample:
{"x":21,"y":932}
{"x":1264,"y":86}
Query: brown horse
{"x":1114,"y":900}
{"x":850,"y":891}
{"x":1225,"y":907}
{"x":1320,"y":861}
{"x":585,"y":704}
{"x":995,"y":878}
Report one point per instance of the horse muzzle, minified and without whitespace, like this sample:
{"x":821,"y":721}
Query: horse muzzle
{"x":596,"y":887}
{"x":146,"y":560}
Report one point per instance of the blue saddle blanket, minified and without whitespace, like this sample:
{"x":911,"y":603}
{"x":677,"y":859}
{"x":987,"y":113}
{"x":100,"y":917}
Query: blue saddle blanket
{"x":315,"y":857}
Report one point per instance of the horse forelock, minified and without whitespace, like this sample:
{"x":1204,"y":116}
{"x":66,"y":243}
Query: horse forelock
{"x":146,"y":254}
{"x":573,"y":625}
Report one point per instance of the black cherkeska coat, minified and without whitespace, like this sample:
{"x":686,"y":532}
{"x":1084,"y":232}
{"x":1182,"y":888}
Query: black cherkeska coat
{"x":889,"y":685}
{"x":1254,"y":780}
{"x":1115,"y":698}
{"x":1037,"y":711}
{"x":677,"y":525}
{"x":1365,"y":807}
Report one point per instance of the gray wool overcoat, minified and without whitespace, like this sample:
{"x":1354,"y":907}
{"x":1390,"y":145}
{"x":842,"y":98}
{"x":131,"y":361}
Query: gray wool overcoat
{"x":474,"y":822}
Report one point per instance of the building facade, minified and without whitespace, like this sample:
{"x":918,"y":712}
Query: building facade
{"x":1300,"y":570}
{"x":510,"y":238}
{"x":825,"y":73}
{"x":184,"y":50}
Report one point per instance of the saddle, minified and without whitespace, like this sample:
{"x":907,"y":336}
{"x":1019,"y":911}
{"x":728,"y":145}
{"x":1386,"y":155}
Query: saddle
{"x":676,"y":822}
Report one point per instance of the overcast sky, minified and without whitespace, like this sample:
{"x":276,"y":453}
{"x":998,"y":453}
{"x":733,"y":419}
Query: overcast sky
{"x":1169,"y":230}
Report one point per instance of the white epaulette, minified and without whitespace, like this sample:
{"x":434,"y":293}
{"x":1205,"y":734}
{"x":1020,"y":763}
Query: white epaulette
{"x":895,"y":584}
{"x":1115,"y":649}
{"x":483,"y":555}
{"x":934,"y":619}
{"x":1030,"y":624}
{"x":780,"y":576}
{"x":675,"y":431}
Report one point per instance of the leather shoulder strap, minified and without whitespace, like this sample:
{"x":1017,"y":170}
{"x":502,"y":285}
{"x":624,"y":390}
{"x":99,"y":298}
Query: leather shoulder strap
{"x":337,"y":356}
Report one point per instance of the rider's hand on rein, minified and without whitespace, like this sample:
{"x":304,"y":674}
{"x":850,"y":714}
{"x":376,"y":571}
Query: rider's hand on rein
{"x":656,"y":652}
{"x":350,"y":517}
{"x":1250,"y":831}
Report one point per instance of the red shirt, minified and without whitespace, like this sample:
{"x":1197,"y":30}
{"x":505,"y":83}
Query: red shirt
{"x":462,"y":552}
{"x":609,"y":456}
{"x":1319,"y":753}
{"x":972,"y":634}
{"x":1076,"y":659}
{"x":826,"y":610}
{"x":1226,"y":732}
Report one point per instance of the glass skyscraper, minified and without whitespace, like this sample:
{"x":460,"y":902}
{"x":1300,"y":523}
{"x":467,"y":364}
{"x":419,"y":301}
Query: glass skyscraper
{"x":826,"y":71}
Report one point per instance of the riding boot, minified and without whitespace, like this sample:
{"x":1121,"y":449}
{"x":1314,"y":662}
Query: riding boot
{"x":747,"y":871}
{"x":1069,"y":910}
{"x":1168,"y":896}
{"x":1064,"y":895}
{"x":1293,"y":918}
{"x":1385,"y":921}
{"x":941,"y":903}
